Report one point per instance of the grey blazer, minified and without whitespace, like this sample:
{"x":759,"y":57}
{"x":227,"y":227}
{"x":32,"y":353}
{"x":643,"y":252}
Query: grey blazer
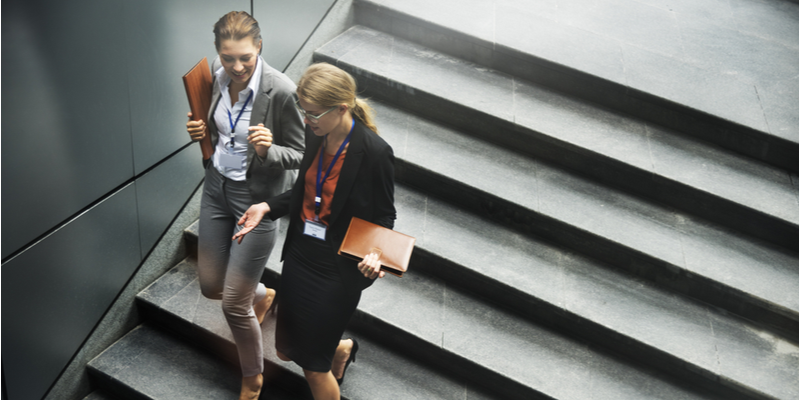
{"x":274,"y":107}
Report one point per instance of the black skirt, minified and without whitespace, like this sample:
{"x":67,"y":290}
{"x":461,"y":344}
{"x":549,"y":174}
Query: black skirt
{"x":315,"y":306}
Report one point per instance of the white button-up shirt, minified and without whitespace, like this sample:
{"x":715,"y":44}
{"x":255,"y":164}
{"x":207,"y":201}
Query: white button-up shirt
{"x":224,"y":123}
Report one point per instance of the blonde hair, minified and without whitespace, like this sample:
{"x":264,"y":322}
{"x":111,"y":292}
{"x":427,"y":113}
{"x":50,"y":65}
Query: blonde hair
{"x":236,"y":25}
{"x":327,"y":86}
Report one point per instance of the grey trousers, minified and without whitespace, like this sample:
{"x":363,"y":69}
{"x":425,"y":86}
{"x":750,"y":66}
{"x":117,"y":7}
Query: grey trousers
{"x":229,"y":271}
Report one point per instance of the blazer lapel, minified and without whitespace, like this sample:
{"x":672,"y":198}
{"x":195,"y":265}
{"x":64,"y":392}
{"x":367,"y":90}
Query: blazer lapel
{"x":347,"y":177}
{"x":261,"y":103}
{"x":312,"y":145}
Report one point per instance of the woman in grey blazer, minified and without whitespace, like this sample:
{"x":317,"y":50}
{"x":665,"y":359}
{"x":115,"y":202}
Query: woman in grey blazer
{"x":257,"y":134}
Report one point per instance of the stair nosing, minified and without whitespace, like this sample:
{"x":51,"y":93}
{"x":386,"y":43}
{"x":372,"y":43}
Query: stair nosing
{"x":582,"y":147}
{"x":372,"y":317}
{"x":621,"y":87}
{"x":475,"y":144}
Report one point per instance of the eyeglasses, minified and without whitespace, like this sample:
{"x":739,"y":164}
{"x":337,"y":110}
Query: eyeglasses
{"x":311,"y":118}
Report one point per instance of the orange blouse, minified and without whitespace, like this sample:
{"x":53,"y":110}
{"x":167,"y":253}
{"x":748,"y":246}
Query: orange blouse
{"x":328,"y":187}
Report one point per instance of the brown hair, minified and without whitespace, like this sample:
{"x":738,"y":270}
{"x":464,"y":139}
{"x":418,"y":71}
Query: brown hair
{"x":327,"y":86}
{"x":236,"y":25}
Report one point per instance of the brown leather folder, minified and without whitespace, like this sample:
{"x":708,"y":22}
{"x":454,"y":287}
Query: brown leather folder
{"x":365,"y":237}
{"x":198,"y":88}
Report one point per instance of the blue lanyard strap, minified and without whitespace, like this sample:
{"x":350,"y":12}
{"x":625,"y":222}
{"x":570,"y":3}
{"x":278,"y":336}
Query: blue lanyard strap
{"x":230,"y":118}
{"x":318,"y":197}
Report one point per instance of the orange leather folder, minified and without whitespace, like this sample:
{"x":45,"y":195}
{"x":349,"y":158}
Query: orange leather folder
{"x":365,"y":237}
{"x":198,"y":89}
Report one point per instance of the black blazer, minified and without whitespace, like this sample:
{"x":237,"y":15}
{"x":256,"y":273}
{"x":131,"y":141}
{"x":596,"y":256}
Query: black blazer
{"x":365,"y":189}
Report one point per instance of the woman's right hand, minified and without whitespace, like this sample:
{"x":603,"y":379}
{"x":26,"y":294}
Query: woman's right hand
{"x":196,"y":129}
{"x":370,"y":266}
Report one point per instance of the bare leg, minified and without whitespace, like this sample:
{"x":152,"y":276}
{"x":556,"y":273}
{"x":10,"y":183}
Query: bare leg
{"x":251,"y":387}
{"x":262,"y":306}
{"x":323,"y":385}
{"x":340,"y":357}
{"x":282,"y":356}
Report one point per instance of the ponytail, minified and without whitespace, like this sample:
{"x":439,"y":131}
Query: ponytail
{"x":364,"y":114}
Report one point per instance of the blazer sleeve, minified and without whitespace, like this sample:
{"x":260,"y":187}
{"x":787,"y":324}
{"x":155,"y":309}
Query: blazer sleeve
{"x":383,"y":186}
{"x":280,"y":205}
{"x":288,"y":152}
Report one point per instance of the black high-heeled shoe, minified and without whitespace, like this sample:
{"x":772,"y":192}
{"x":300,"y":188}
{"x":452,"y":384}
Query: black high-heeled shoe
{"x":351,"y":359}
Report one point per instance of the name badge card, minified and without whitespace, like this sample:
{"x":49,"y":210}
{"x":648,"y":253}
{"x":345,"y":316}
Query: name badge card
{"x":233,"y":161}
{"x":315,"y":229}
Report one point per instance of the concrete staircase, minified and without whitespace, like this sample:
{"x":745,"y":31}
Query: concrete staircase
{"x":572,"y":242}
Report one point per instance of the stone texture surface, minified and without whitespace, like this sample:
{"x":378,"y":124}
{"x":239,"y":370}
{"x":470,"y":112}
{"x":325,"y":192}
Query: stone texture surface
{"x":737,"y":100}
{"x":731,"y":43}
{"x":155,"y":364}
{"x":677,"y":238}
{"x":529,"y":30}
{"x":162,"y":367}
{"x":439,"y":313}
{"x":646,"y":149}
{"x":634,"y":308}
{"x":511,"y":346}
{"x":178,"y":295}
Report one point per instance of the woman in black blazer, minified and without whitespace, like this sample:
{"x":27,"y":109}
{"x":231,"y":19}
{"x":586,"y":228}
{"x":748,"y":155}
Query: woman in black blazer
{"x":320,"y":290}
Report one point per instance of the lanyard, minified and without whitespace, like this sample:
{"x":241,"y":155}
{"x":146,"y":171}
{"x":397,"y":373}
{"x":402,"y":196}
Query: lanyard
{"x":318,"y":198}
{"x":230,"y":118}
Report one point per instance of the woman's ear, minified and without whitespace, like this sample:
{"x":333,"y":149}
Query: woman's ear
{"x":343,"y":109}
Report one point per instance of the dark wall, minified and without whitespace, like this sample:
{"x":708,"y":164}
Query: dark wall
{"x":95,"y":158}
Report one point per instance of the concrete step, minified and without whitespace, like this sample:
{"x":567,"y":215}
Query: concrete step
{"x":581,"y":298}
{"x":673,"y":249}
{"x":578,"y":296}
{"x":99,"y":395}
{"x":667,"y":71}
{"x":533,"y":281}
{"x":610,"y":147}
{"x":149,"y":363}
{"x":175,"y":301}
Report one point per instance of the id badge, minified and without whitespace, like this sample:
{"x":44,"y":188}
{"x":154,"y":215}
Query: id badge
{"x":315,"y":229}
{"x":233,"y":161}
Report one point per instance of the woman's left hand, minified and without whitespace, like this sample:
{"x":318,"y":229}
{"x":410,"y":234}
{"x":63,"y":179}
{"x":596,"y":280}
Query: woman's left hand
{"x":261,"y":138}
{"x":370,"y":266}
{"x":250,"y":219}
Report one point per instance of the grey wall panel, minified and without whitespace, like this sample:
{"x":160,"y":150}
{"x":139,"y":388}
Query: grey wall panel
{"x":55,"y":292}
{"x":164,"y":39}
{"x":285,"y":26}
{"x":66,"y":131}
{"x":162,"y":192}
